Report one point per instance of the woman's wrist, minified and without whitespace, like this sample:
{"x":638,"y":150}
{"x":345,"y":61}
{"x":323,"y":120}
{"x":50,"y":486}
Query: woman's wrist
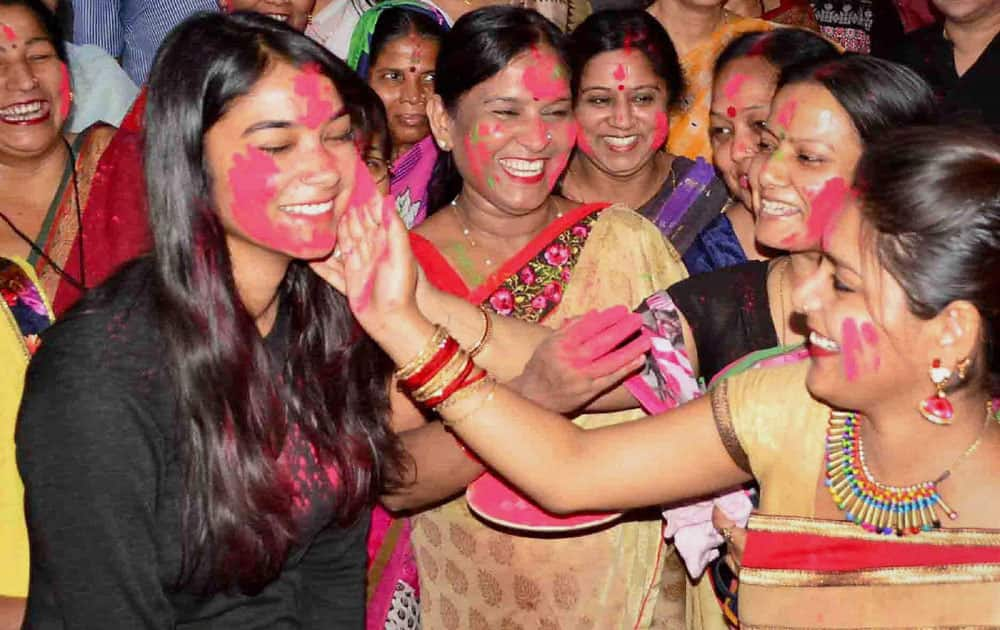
{"x":405,"y":336}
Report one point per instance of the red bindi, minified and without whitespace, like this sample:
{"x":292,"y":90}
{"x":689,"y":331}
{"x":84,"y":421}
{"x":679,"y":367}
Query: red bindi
{"x":413,"y":69}
{"x":731,"y":111}
{"x":621,"y":88}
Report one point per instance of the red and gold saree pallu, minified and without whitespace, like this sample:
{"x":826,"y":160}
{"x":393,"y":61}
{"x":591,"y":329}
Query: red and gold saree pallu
{"x":800,"y":572}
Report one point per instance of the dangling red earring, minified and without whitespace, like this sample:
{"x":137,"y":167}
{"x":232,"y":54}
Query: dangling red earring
{"x":937,"y":408}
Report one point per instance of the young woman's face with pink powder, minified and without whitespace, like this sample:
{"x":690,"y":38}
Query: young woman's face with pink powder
{"x":282,"y":162}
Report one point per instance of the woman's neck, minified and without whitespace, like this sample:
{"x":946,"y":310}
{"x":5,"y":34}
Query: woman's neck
{"x":893,"y":433}
{"x":971,"y":38}
{"x":501,"y":230}
{"x":688,"y":26}
{"x":258,"y":275}
{"x":398,"y":150}
{"x":36,"y":175}
{"x":586,"y":182}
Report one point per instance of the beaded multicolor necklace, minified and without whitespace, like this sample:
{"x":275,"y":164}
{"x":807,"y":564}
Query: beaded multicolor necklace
{"x":877,"y":507}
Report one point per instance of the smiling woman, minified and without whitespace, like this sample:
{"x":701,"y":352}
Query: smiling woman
{"x":222,"y":455}
{"x":501,"y":240}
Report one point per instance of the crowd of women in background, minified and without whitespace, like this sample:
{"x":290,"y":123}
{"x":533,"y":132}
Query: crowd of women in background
{"x":296,"y":344}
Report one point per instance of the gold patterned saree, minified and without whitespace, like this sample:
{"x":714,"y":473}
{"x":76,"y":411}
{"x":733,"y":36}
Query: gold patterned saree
{"x":799,"y":571}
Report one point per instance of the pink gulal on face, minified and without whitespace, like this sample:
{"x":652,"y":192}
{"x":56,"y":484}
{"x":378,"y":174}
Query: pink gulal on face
{"x":317,"y":93}
{"x":859,"y":347}
{"x":558,"y":163}
{"x":64,"y":91}
{"x":787,"y":113}
{"x":825,"y":207}
{"x":253,"y":181}
{"x":8,"y":33}
{"x":733,"y":86}
{"x":546,"y":79}
{"x":477,"y":150}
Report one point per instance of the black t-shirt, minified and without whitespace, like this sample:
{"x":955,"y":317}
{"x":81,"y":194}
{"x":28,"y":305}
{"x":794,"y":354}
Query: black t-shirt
{"x":973,"y":97}
{"x":98,"y":451}
{"x":728,"y":312}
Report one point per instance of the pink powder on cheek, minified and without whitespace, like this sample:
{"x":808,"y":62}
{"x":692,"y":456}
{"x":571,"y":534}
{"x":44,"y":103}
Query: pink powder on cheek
{"x":64,"y":91}
{"x":787,"y":113}
{"x":733,"y":86}
{"x":850,"y":348}
{"x":9,"y":33}
{"x":252,"y":181}
{"x":478,"y":152}
{"x":826,"y":207}
{"x":620,"y":73}
{"x":870,"y":337}
{"x":558,"y":163}
{"x":546,"y":79}
{"x":311,"y":84}
{"x":584,"y":144}
{"x":662,"y":130}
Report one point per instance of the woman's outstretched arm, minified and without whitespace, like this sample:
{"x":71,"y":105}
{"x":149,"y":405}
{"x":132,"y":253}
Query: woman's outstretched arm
{"x":655,"y":460}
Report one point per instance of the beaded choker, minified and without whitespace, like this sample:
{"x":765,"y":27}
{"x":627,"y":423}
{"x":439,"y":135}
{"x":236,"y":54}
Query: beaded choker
{"x":877,"y":507}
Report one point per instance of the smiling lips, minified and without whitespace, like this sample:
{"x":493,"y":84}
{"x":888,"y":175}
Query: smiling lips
{"x":309,"y":209}
{"x":281,"y":17}
{"x":524,"y":171}
{"x":621,"y":144}
{"x":820,"y":346}
{"x":29,"y":113}
{"x":777,"y":209}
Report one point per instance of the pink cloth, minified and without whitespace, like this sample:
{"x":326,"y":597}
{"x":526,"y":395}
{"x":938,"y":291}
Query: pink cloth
{"x":411,"y":174}
{"x":694,"y":535}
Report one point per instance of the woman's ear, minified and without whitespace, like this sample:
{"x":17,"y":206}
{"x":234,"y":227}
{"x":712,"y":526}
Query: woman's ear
{"x":957,"y":330}
{"x":440,"y":120}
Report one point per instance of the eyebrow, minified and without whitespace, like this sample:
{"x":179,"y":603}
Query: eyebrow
{"x":286,"y":124}
{"x":840,"y":262}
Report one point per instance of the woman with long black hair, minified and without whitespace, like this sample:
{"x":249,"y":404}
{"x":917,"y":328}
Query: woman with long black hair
{"x":202,"y":438}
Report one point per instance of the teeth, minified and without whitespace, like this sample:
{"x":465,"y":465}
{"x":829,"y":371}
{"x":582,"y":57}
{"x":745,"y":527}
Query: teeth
{"x":523,"y":168}
{"x":617,"y":141}
{"x":817,"y":339}
{"x":777,"y":209}
{"x":278,"y":16}
{"x":23,"y":111}
{"x":309,"y":209}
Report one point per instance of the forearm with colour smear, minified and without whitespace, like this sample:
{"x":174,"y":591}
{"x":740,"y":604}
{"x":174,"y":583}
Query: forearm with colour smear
{"x":511,"y":343}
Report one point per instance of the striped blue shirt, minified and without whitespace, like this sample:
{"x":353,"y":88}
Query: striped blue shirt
{"x":131,"y":30}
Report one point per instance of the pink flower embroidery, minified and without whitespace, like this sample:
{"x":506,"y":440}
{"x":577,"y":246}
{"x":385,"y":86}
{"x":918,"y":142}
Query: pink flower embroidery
{"x":557,"y":254}
{"x":565,"y":275}
{"x":539,"y":303}
{"x":580,"y":231}
{"x":527,"y":275}
{"x":553,"y":292}
{"x":502,"y":302}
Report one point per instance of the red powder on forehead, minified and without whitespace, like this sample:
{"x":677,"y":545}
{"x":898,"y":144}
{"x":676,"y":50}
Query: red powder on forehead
{"x":316,"y":90}
{"x":620,"y":73}
{"x":786,"y":113}
{"x":546,"y":79}
{"x":64,"y":91}
{"x":731,"y":111}
{"x":9,"y":34}
{"x":662,"y":130}
{"x":733,"y":86}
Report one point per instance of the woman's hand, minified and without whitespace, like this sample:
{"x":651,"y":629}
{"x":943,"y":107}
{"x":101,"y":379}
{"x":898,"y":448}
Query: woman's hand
{"x":374,"y":267}
{"x":736,"y":538}
{"x":583,"y":359}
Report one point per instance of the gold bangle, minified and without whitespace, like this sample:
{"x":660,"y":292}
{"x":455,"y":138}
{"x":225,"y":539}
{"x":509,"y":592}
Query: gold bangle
{"x":435,"y":343}
{"x":463,"y":393}
{"x":487,"y":329}
{"x":450,"y":423}
{"x":448,"y":373}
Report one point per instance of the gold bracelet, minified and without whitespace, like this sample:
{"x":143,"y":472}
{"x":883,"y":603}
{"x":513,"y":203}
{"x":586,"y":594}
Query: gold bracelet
{"x":448,"y":373}
{"x":450,"y":423}
{"x":463,"y":393}
{"x":487,"y":329}
{"x":435,"y":343}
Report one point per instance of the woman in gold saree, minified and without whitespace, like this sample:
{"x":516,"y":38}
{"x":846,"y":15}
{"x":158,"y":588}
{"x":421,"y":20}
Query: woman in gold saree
{"x":876,"y":458}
